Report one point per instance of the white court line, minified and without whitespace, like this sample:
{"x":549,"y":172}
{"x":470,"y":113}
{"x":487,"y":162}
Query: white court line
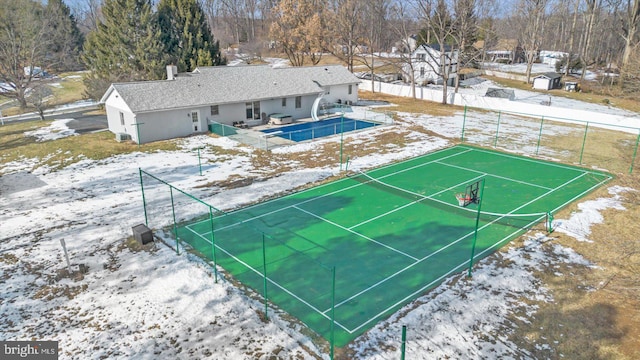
{"x":357,"y":234}
{"x":329,"y":194}
{"x":391,"y":174}
{"x":414,"y":202}
{"x":524,"y":158}
{"x":268,"y":279}
{"x":496,"y":176}
{"x":437,"y":251}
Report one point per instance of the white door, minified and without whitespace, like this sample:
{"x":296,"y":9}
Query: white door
{"x":195,"y":121}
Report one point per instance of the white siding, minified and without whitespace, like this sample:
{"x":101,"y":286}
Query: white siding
{"x":541,"y":83}
{"x":114,"y":105}
{"x":164,"y":125}
{"x":341,"y":92}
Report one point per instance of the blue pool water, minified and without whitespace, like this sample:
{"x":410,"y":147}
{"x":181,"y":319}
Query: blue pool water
{"x":316,"y":129}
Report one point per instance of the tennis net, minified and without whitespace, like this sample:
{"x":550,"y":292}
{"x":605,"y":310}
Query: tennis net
{"x":521,"y":221}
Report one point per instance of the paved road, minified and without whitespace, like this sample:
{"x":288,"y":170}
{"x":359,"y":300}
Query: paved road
{"x":82,"y":122}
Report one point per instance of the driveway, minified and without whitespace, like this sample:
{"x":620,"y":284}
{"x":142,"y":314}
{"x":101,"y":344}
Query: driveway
{"x":84,"y":123}
{"x":82,"y":119}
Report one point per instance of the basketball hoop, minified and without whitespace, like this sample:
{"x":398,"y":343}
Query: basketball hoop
{"x":463,"y":199}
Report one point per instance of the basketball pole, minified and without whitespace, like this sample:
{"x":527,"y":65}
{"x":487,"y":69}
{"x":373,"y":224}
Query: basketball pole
{"x":475,"y":233}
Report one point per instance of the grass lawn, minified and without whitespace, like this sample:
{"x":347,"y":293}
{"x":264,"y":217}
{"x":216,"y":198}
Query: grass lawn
{"x":15,"y":146}
{"x":66,"y":88}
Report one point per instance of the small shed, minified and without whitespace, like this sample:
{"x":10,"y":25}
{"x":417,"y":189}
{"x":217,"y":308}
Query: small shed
{"x":500,"y":93}
{"x":547,"y":81}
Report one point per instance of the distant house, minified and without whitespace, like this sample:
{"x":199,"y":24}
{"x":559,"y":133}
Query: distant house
{"x":426,"y":61}
{"x":506,"y":51}
{"x":500,"y":93}
{"x":552,"y":57}
{"x":187,"y":103}
{"x":547,"y":81}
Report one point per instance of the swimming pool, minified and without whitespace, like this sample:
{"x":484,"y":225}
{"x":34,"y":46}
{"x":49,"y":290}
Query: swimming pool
{"x":316,"y":129}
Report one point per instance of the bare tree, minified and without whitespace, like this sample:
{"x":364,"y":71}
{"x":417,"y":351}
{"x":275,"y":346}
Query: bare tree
{"x":23,"y":46}
{"x":486,"y":26}
{"x":347,"y":29}
{"x":88,"y":13}
{"x":631,"y":22}
{"x":440,"y":27}
{"x":39,"y":99}
{"x":572,"y":35}
{"x":465,"y":33}
{"x":532,"y":17}
{"x":375,"y":25}
{"x":403,"y":26}
{"x":299,"y":30}
{"x":591,"y":16}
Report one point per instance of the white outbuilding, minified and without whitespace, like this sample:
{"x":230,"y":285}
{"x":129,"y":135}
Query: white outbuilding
{"x":188,"y":103}
{"x":547,"y":81}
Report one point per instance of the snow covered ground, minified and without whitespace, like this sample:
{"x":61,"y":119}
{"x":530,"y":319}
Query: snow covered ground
{"x":156,"y":304}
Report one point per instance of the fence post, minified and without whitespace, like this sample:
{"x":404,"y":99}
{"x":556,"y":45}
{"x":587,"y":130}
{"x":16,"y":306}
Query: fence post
{"x":144,"y":200}
{"x":495,"y":142}
{"x":213,"y":246}
{"x":333,"y":310}
{"x":584,"y":140}
{"x":175,"y":226}
{"x":464,"y":121}
{"x":341,"y":138}
{"x":539,"y":135}
{"x":404,"y":342}
{"x":264,"y":267}
{"x":635,"y":152}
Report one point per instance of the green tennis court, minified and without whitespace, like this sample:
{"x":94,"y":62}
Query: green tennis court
{"x":344,"y":255}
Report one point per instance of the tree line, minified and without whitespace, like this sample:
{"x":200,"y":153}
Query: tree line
{"x":125,"y":40}
{"x":130,"y":40}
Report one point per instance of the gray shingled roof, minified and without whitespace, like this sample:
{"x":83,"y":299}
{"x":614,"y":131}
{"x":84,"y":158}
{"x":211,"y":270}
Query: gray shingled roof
{"x":230,"y":84}
{"x":549,"y":75}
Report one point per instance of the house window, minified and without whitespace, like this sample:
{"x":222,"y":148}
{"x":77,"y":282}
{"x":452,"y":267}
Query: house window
{"x":421,"y":57}
{"x":215,"y":110}
{"x":249,"y":107}
{"x":422,"y":71}
{"x":253,"y":110}
{"x":298,"y":102}
{"x":284,"y":102}
{"x":194,"y":117}
{"x":350,"y":89}
{"x":121,"y":118}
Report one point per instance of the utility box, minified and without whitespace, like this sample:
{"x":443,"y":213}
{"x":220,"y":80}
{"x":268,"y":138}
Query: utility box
{"x":142,"y":234}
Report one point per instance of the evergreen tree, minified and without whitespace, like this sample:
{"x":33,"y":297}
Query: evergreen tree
{"x":126,"y":46}
{"x":65,"y":39}
{"x":186,"y":36}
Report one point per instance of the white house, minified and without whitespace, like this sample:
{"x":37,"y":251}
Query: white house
{"x":426,"y":60}
{"x":552,"y":57}
{"x":187,"y":103}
